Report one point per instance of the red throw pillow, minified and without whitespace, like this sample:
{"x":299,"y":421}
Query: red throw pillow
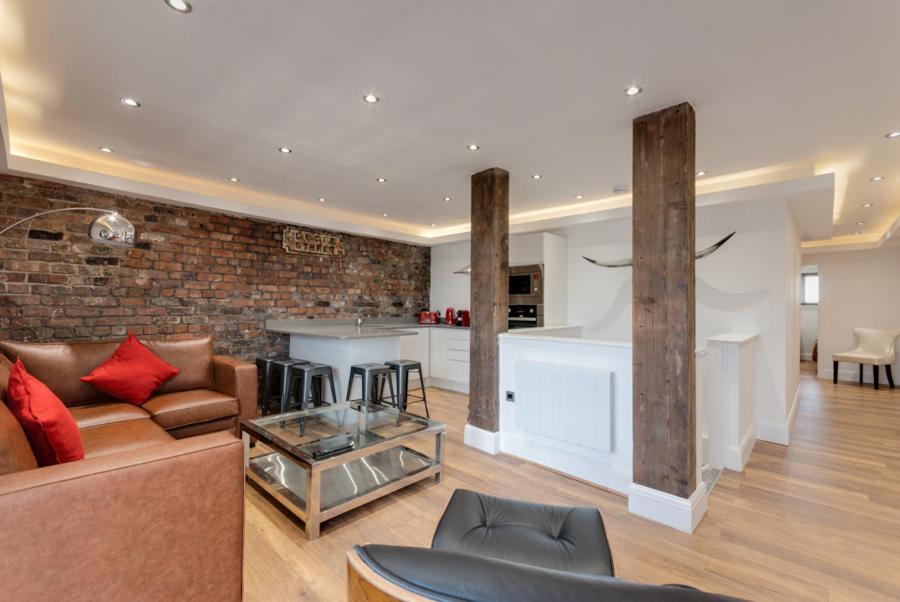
{"x":132,"y":373}
{"x":50,"y":428}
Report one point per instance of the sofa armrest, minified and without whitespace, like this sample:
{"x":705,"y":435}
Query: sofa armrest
{"x":159,"y":523}
{"x":237,"y":378}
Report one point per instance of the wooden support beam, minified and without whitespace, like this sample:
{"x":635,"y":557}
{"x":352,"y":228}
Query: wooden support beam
{"x":489,"y":293}
{"x":663,"y":301}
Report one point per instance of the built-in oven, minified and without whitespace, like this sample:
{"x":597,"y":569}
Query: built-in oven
{"x":526,"y":284}
{"x":525,"y":316}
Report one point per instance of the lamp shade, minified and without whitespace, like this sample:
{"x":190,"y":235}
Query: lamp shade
{"x":112,"y":229}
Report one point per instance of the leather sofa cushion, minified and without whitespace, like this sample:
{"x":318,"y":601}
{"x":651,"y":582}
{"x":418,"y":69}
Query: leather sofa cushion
{"x":455,"y":577}
{"x":95,"y":414}
{"x":61,"y":365}
{"x":116,"y":437}
{"x":173,"y":410}
{"x":552,"y":537}
{"x":15,"y":451}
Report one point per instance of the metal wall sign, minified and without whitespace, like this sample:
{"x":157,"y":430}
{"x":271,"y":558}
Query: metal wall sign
{"x":295,"y":240}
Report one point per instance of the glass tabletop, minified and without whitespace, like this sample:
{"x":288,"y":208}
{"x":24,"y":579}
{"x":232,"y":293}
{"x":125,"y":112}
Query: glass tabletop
{"x":324,"y":432}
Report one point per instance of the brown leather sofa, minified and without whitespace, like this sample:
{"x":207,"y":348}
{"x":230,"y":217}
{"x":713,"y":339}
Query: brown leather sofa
{"x":152,"y":512}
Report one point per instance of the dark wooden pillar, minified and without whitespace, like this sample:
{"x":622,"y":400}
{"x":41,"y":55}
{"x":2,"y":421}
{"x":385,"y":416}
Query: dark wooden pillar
{"x":663,"y":301}
{"x":489,"y":293}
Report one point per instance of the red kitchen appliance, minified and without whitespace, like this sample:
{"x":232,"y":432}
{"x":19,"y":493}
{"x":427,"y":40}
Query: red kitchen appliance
{"x":464,"y":318}
{"x":428,"y":317}
{"x":448,"y":315}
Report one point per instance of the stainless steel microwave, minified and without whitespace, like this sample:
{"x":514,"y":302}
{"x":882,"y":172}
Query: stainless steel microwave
{"x":526,"y":284}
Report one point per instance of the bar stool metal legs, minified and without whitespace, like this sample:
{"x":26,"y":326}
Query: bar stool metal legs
{"x":372,"y":379}
{"x":306,"y":381}
{"x":401,"y":369}
{"x":272,"y":376}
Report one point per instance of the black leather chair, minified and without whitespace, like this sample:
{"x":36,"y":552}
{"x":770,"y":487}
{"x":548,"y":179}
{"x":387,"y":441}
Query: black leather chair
{"x":489,"y":549}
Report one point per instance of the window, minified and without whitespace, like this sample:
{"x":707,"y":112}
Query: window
{"x":809,"y":289}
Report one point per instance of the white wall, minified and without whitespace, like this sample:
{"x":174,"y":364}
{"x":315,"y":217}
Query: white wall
{"x":856,"y":289}
{"x":449,"y":289}
{"x":750,"y":285}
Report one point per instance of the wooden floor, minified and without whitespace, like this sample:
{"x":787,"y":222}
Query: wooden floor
{"x":819,"y":520}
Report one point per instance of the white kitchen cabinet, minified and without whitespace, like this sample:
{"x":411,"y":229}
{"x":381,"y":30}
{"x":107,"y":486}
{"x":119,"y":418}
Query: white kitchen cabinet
{"x":449,"y":367}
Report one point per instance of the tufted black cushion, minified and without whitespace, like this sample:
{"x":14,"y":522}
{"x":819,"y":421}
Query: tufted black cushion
{"x":551,"y":537}
{"x":455,"y":577}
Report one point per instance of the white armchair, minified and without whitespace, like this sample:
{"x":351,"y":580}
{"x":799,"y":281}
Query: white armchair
{"x":874,"y":348}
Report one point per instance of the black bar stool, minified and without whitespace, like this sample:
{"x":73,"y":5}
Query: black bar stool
{"x":307,"y":381}
{"x":273,"y":378}
{"x":401,"y":370}
{"x":373,"y":377}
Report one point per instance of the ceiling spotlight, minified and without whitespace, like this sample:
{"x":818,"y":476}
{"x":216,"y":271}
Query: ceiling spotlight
{"x":129,"y":102}
{"x":322,"y":200}
{"x":384,"y":215}
{"x":536,"y":176}
{"x":371,"y":98}
{"x":106,"y":149}
{"x":284,"y":149}
{"x":877,"y":178}
{"x":860,"y":223}
{"x":857,"y":232}
{"x":579,"y":196}
{"x":633,"y":90}
{"x":701,"y":173}
{"x":381,"y":180}
{"x":447,"y":199}
{"x":620,"y":189}
{"x":867,"y":205}
{"x":182,"y":6}
{"x":892,"y":135}
{"x":233,"y":179}
{"x":432,"y":225}
{"x":473,"y":147}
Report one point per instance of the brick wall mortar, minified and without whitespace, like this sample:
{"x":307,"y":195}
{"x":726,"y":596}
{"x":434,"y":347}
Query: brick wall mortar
{"x":192,"y":272}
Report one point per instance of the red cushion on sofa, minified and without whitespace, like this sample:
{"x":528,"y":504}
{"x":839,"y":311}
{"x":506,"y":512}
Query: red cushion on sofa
{"x":132,"y":373}
{"x":50,"y":428}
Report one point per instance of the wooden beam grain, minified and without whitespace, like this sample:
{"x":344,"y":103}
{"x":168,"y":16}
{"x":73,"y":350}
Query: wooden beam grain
{"x":489,"y":301}
{"x":663,"y":301}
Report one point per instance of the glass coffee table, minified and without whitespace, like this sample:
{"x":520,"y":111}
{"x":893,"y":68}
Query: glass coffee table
{"x":325,"y":461}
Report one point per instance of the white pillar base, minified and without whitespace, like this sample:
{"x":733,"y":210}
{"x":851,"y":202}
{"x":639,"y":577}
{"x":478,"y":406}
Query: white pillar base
{"x":486,"y":441}
{"x":677,"y":512}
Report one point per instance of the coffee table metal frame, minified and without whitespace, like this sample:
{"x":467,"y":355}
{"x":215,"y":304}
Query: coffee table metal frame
{"x":313,"y":515}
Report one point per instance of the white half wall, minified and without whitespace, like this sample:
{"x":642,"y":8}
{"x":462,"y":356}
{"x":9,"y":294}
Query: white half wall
{"x":856,"y":289}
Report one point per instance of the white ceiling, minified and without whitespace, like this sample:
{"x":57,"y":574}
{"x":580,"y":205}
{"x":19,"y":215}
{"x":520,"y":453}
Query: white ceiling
{"x":537,"y":83}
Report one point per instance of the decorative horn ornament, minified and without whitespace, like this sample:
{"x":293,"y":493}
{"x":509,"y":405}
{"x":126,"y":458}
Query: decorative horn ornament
{"x":110,"y":228}
{"x":624,"y":263}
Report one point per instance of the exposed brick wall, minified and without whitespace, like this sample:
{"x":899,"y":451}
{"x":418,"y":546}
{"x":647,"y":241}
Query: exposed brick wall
{"x":192,"y":272}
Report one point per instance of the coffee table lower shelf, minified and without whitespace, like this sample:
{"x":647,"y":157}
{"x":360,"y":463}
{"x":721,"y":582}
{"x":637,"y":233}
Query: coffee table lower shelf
{"x":342,"y":487}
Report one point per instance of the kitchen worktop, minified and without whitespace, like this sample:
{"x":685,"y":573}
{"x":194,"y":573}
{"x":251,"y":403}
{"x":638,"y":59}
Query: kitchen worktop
{"x":328,"y":329}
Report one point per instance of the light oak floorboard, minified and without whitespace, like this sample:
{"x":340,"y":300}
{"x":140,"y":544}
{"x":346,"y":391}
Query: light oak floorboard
{"x":819,"y":520}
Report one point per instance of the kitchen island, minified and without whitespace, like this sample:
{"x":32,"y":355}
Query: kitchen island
{"x":341,"y":344}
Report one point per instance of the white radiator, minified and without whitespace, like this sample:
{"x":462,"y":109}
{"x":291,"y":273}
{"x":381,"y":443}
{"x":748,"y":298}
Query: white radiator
{"x":572,"y":404}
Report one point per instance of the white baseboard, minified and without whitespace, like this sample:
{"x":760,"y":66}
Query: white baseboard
{"x":779,"y":432}
{"x":486,"y":441}
{"x":671,"y":510}
{"x":736,"y":457}
{"x":806,"y":356}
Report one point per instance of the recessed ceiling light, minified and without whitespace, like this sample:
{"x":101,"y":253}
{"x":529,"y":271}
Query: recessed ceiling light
{"x":106,"y":149}
{"x":701,"y":173}
{"x":381,"y":180}
{"x":322,"y":200}
{"x":860,"y":223}
{"x":867,"y":205}
{"x":892,"y":135}
{"x":182,"y":6}
{"x":633,"y":90}
{"x":473,"y":147}
{"x":620,"y":189}
{"x":857,"y":232}
{"x":384,"y":215}
{"x":233,"y":179}
{"x":535,"y":176}
{"x":877,"y":178}
{"x":130,"y":102}
{"x":371,"y":98}
{"x":284,"y":149}
{"x":433,"y":225}
{"x":579,"y":196}
{"x":447,"y":199}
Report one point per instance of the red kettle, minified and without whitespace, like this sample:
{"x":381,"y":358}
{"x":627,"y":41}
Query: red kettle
{"x":448,"y":315}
